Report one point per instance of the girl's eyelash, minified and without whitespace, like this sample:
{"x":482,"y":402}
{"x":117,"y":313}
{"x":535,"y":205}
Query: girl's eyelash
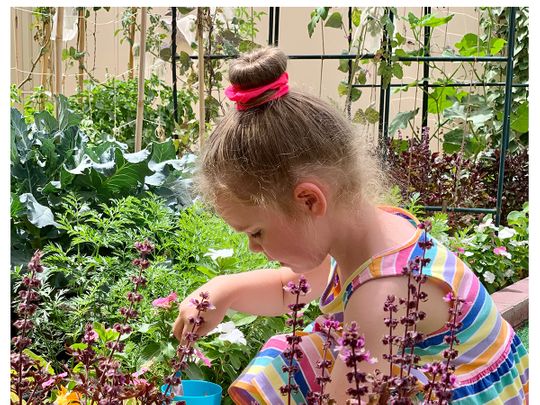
{"x":256,"y":234}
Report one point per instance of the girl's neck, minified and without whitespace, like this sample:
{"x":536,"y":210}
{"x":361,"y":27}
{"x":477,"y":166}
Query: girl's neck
{"x":366,"y":233}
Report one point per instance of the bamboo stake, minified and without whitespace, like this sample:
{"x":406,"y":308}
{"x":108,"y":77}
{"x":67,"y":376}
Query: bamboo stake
{"x":80,"y":45}
{"x":201,"y":76}
{"x":18,"y":48}
{"x":58,"y":66}
{"x":140,"y":96}
{"x":131,"y":41}
{"x":45,"y":62}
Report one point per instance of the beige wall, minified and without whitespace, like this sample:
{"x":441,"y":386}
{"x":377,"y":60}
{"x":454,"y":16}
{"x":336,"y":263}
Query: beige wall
{"x":111,"y":56}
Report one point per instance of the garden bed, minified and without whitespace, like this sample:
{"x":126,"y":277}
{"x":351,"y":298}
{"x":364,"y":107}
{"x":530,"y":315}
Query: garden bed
{"x":513,"y":302}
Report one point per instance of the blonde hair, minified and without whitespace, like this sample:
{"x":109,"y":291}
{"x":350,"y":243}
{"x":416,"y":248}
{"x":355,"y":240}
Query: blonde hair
{"x":257,"y":156}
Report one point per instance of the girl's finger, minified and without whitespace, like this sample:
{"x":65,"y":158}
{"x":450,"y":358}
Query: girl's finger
{"x":178,"y":329}
{"x":185,"y":331}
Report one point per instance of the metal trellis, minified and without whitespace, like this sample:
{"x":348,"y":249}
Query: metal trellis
{"x":273,"y":39}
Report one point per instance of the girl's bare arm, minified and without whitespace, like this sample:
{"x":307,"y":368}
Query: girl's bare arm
{"x":257,"y":292}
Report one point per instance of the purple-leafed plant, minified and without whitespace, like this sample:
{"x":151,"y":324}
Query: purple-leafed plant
{"x":31,"y":382}
{"x":443,"y":379}
{"x":403,"y":387}
{"x":383,"y":388}
{"x":320,"y":397}
{"x":185,"y":351}
{"x":101,"y":379}
{"x":353,"y":352}
{"x":97,"y":378}
{"x":293,"y":340}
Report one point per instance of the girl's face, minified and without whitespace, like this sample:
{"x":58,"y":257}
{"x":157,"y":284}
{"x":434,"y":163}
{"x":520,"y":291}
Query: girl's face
{"x":295,"y":243}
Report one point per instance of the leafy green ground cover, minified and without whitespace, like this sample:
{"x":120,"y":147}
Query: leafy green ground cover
{"x":523,"y":333}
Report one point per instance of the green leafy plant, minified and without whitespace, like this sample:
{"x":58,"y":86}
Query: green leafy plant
{"x":494,"y":23}
{"x":51,"y":158}
{"x":498,"y":255}
{"x":85,"y":273}
{"x":110,"y":108}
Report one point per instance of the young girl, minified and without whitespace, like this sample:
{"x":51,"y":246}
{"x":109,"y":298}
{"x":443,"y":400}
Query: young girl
{"x":286,"y":168}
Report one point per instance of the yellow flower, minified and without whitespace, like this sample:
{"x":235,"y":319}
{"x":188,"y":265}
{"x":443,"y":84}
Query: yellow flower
{"x":67,"y":398}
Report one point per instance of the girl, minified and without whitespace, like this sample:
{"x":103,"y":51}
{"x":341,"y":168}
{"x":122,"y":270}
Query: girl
{"x":286,"y":169}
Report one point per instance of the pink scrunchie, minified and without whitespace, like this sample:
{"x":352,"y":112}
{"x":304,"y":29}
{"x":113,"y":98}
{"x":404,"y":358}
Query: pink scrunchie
{"x":242,"y":97}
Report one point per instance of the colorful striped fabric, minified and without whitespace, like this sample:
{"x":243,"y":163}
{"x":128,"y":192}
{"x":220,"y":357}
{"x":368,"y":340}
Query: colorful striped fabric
{"x":492,"y":364}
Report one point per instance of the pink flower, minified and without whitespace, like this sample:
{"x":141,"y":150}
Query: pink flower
{"x":460,"y":250}
{"x":48,"y":383}
{"x":165,"y":302}
{"x":501,"y":251}
{"x":140,"y":382}
{"x":140,"y":372}
{"x":449,"y":297}
{"x":204,"y":359}
{"x":53,"y":380}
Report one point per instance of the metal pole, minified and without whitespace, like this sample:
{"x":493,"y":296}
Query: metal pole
{"x":429,"y":85}
{"x":460,"y":209}
{"x":425,"y":95}
{"x":371,"y":56}
{"x":81,"y":29}
{"x":385,"y":102}
{"x":507,"y":109}
{"x":173,"y":60}
{"x":270,"y":25}
{"x":276,"y":27}
{"x":200,"y":43}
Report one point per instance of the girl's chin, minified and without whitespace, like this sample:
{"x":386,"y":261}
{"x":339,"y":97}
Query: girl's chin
{"x":297,"y":269}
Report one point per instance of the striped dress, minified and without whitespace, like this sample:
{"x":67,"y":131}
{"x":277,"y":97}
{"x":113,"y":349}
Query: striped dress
{"x":492,"y":363}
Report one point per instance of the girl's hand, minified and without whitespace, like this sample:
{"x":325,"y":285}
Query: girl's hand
{"x":218,"y":297}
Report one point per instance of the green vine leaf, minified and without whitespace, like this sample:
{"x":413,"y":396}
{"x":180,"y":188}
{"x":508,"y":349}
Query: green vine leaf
{"x":316,"y":15}
{"x":335,"y":21}
{"x":472,"y":45}
{"x":355,"y":18}
{"x":453,"y":140}
{"x":456,"y":111}
{"x":323,"y":12}
{"x":520,"y":118}
{"x":372,"y":115}
{"x":496,"y":45}
{"x":401,"y":120}
{"x":397,"y":70}
{"x":440,"y":99}
{"x":432,"y":21}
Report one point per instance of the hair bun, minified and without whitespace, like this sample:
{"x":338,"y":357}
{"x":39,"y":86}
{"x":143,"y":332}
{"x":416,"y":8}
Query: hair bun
{"x":257,"y":68}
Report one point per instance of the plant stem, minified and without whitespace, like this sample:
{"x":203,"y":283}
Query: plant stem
{"x":420,"y":271}
{"x":189,"y":343}
{"x":452,"y":335}
{"x":406,"y":325}
{"x":356,"y":380}
{"x":325,"y":352}
{"x":293,"y":347}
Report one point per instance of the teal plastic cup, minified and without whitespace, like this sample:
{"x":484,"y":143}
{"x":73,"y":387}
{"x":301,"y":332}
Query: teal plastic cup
{"x":198,"y":392}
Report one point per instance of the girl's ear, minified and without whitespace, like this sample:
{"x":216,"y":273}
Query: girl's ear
{"x":310,"y":198}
